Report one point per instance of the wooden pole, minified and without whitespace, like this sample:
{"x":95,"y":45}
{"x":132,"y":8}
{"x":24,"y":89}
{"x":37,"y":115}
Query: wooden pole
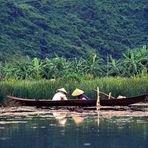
{"x":103,"y":93}
{"x":109,"y":96}
{"x":98,"y":98}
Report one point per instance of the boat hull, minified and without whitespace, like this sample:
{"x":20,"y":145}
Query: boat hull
{"x":83,"y":103}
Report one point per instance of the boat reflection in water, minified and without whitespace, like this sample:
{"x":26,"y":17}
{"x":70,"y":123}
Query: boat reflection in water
{"x":77,"y":118}
{"x":103,"y":128}
{"x":63,"y":117}
{"x":60,"y":118}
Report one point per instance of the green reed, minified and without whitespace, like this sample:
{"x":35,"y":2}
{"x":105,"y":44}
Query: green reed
{"x":117,"y":86}
{"x":45,"y":89}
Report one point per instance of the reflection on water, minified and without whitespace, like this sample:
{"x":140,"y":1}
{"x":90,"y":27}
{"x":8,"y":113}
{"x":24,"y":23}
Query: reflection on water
{"x":60,"y":117}
{"x":107,"y":129}
{"x":77,"y":118}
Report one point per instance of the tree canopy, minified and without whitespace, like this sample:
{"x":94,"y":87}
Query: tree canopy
{"x":71,"y":28}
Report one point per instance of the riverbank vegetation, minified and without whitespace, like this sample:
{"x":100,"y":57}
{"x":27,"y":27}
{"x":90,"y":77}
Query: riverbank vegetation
{"x":46,"y":45}
{"x":36,"y":78}
{"x":46,"y":88}
{"x":132,"y":63}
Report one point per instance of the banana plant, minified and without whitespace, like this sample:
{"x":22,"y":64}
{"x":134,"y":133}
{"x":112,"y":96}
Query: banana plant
{"x":24,"y":69}
{"x":144,"y":58}
{"x":37,"y":68}
{"x":55,"y":67}
{"x":133,"y":61}
{"x":79,"y":65}
{"x":8,"y":71}
{"x":114,"y":67}
{"x":1,"y":75}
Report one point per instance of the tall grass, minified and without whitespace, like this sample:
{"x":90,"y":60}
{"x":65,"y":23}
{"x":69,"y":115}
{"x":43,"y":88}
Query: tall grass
{"x":40,"y":89}
{"x":118,"y":86}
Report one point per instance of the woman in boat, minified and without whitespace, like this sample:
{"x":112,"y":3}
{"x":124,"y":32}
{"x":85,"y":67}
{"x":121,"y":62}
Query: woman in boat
{"x":61,"y":94}
{"x":79,"y":94}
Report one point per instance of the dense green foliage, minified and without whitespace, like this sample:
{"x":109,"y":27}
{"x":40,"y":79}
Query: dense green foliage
{"x":71,"y":28}
{"x":132,"y":63}
{"x":72,"y":43}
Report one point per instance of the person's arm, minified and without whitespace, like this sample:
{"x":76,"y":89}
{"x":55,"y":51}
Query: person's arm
{"x":83,"y":97}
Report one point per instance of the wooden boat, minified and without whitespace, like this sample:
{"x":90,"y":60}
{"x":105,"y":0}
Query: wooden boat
{"x":81,"y":103}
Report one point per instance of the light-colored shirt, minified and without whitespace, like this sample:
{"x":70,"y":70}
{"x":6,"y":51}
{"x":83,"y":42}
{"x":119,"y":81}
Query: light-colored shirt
{"x":59,"y":96}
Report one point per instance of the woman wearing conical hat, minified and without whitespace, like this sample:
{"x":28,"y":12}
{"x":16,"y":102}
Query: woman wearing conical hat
{"x":79,"y":94}
{"x":61,"y":94}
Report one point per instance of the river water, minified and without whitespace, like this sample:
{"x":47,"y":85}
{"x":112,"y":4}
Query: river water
{"x":64,"y":129}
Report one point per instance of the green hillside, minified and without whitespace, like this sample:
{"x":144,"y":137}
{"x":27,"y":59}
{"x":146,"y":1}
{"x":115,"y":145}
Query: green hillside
{"x":71,"y":28}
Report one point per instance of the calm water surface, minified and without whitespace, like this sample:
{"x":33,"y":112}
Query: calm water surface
{"x":73,"y":130}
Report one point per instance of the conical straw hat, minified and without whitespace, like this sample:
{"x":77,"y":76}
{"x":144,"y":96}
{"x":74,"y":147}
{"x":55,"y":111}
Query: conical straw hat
{"x":61,"y":90}
{"x":77,"y":92}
